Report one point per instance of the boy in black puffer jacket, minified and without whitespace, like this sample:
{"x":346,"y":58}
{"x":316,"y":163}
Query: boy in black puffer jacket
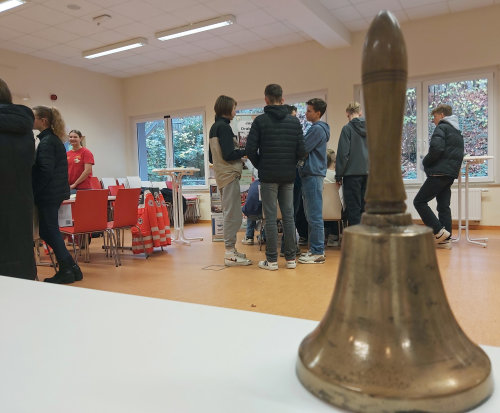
{"x":442,"y":165}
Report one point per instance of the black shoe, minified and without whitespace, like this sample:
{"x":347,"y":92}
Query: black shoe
{"x":77,"y":272}
{"x":63,"y":276}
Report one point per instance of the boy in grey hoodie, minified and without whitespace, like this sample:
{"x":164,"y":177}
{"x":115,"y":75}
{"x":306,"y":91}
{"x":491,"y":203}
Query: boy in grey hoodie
{"x":312,"y":174}
{"x":351,"y":169}
{"x":442,"y":165}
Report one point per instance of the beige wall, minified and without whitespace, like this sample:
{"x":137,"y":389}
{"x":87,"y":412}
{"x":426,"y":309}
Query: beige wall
{"x":88,"y":101}
{"x":452,"y":43}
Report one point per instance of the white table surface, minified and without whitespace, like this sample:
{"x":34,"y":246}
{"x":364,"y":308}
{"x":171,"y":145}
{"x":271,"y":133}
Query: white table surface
{"x":71,"y":350}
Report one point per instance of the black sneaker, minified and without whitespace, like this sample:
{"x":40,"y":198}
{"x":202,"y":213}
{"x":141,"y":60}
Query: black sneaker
{"x":63,"y":276}
{"x":77,"y":272}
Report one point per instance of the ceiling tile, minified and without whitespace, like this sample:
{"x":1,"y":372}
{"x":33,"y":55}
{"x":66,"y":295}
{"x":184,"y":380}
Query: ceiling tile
{"x":244,"y":36}
{"x":335,"y":4}
{"x":427,"y":11}
{"x":62,"y":6}
{"x":460,"y":5}
{"x":254,"y":19}
{"x":187,"y":49}
{"x":80,"y":27}
{"x":257,"y":45}
{"x":7,"y":33}
{"x":21,"y":24}
{"x":19,"y":48}
{"x":135,"y":10}
{"x":108,"y":36}
{"x":271,"y":30}
{"x":287,"y":39}
{"x":43,"y":14}
{"x":66,"y":51}
{"x":33,"y":41}
{"x":357,"y":25}
{"x":416,"y":3}
{"x":172,"y":5}
{"x":213,"y":43}
{"x":370,"y":9}
{"x":195,"y":13}
{"x":105,"y":3}
{"x":347,"y":14}
{"x":116,"y":19}
{"x":134,"y":30}
{"x":55,"y":35}
{"x":230,"y":7}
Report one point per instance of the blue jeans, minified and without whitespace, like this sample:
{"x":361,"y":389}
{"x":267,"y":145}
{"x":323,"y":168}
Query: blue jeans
{"x":49,"y":232}
{"x":272,"y":194}
{"x":438,"y":187}
{"x":251,"y":224}
{"x":312,"y":192}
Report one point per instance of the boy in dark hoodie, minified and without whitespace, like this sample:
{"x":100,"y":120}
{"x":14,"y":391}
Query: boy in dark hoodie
{"x":312,"y":175}
{"x":275,"y":144}
{"x":351,"y":170}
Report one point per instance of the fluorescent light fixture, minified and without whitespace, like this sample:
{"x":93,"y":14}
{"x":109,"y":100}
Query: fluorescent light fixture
{"x":115,"y":48}
{"x":10,"y":4}
{"x":196,"y":27}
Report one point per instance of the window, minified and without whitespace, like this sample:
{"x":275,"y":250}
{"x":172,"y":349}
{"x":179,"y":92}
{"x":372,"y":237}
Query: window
{"x":299,"y":101}
{"x":471,"y":98}
{"x":174,"y":141}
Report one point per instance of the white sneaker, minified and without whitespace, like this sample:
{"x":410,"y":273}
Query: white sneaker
{"x":441,"y":236}
{"x":291,"y":264}
{"x":333,"y":241}
{"x":266,"y":265}
{"x":446,"y":244}
{"x":240,"y":254}
{"x":309,"y":258}
{"x":247,"y":241}
{"x":235,"y":258}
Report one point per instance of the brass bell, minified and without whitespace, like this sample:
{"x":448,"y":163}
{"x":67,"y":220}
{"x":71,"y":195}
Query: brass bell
{"x":389,"y":341}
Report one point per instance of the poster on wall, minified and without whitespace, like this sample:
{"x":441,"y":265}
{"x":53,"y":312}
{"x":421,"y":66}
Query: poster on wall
{"x":241,"y":125}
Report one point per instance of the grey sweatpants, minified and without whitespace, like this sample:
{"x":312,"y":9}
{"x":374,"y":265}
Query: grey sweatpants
{"x":231,"y":208}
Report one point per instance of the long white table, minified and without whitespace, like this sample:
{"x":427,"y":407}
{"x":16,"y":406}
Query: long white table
{"x":66,"y":349}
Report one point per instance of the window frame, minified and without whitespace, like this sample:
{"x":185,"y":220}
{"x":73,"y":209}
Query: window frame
{"x":169,"y":146}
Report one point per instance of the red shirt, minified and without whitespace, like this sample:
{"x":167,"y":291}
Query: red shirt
{"x":76,"y":165}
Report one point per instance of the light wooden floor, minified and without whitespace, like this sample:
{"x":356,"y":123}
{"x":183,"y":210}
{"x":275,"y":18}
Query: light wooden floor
{"x":471,"y":276}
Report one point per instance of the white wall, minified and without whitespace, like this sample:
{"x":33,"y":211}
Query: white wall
{"x":443,"y":44}
{"x":88,"y":101}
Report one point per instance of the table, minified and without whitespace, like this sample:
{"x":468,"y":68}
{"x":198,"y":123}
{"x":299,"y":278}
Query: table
{"x":176,"y":175}
{"x":67,"y":349}
{"x":467,"y":161}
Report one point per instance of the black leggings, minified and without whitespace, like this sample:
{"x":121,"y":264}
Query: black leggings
{"x":49,"y":231}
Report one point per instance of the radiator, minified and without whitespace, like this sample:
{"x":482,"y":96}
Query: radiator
{"x":474,"y":204}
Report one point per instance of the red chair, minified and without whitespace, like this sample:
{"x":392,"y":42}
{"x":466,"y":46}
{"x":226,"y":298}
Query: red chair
{"x":95,"y":183}
{"x":113,"y":189}
{"x":125,"y":215}
{"x":90,"y":212}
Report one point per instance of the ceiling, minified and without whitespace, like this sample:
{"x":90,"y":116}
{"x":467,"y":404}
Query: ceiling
{"x":60,"y":30}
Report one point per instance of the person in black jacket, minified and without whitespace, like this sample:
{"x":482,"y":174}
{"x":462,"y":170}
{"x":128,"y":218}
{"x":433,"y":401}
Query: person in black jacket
{"x":441,"y":165}
{"x":275,"y":144}
{"x":17,"y":153}
{"x":50,"y":188}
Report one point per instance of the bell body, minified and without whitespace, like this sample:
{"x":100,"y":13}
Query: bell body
{"x":389,"y":341}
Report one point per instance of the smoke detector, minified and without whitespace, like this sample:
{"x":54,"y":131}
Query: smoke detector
{"x":101,"y":19}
